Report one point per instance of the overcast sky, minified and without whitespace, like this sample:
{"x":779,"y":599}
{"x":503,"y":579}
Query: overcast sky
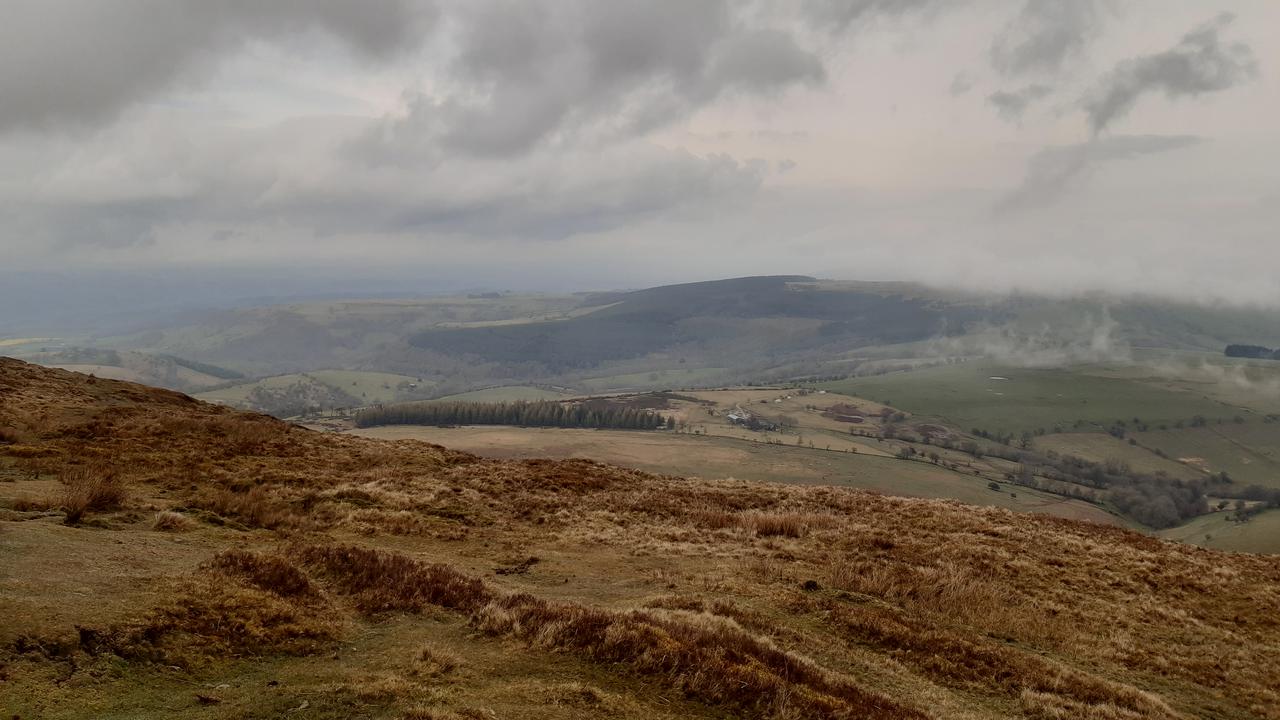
{"x":418,"y":145}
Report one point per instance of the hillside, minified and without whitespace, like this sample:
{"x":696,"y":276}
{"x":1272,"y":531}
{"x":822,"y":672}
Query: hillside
{"x":231,"y":565}
{"x":279,"y":358}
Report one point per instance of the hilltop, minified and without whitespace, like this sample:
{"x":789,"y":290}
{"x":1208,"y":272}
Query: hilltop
{"x":227,"y":564}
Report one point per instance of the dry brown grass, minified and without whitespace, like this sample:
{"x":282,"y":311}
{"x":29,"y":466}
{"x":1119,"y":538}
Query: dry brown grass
{"x":380,"y":581}
{"x":95,"y":487}
{"x":238,"y":604}
{"x":170,"y":521}
{"x":707,"y":658}
{"x":954,"y":609}
{"x":433,"y":662}
{"x":256,"y":507}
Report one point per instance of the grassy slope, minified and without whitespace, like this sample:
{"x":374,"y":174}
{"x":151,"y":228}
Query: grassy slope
{"x":373,"y":387}
{"x":1029,"y":399}
{"x":719,"y":457}
{"x":652,"y":596}
{"x":1102,"y":447}
{"x":1250,"y":453}
{"x":506,"y":393}
{"x":1220,"y":532}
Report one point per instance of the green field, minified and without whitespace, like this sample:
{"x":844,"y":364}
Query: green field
{"x":371,"y":387}
{"x":683,"y":377}
{"x":1249,"y":453}
{"x":971,"y":396}
{"x":1218,"y":531}
{"x":506,"y":393}
{"x":1101,"y":447}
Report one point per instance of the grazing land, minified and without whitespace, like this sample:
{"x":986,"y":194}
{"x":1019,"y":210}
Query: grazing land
{"x":1248,"y":452}
{"x":362,"y":388}
{"x":1221,"y":531}
{"x":162,"y":557}
{"x":1104,"y":447}
{"x":1010,"y":399}
{"x":506,"y":393}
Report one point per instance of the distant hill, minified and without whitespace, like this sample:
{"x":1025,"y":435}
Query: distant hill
{"x":708,"y":317}
{"x":702,"y":334}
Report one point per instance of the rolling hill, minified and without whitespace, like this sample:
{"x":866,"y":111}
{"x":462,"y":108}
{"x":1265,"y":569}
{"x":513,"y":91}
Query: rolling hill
{"x":163,"y":557}
{"x":703,"y":334}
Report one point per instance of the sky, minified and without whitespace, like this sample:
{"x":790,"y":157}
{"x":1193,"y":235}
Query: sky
{"x":184,"y":149}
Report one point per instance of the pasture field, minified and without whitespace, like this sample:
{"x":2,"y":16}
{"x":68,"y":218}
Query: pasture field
{"x":672,"y":377}
{"x":714,"y":457}
{"x":1004,"y":399}
{"x":1220,"y":532}
{"x":1249,"y":452}
{"x":370,"y":387}
{"x":1253,"y":385}
{"x":375,"y":387}
{"x":506,"y":393}
{"x":1103,"y":447}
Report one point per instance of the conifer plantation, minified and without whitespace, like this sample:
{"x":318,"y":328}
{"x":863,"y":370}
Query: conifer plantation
{"x":541,"y":413}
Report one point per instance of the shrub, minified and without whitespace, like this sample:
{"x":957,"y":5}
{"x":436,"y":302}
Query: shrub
{"x":93,"y":487}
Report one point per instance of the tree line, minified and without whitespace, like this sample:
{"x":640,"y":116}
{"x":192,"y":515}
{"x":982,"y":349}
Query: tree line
{"x":1252,"y":351}
{"x":540,"y":413}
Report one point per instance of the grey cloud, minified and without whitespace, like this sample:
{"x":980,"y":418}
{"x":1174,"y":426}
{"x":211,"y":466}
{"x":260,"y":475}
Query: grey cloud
{"x":1011,"y":105}
{"x":1200,"y":63}
{"x":301,"y":179}
{"x":80,"y":61}
{"x":960,"y":84}
{"x":1044,"y":35}
{"x":1053,"y":171}
{"x":542,"y":73}
{"x":838,"y":15}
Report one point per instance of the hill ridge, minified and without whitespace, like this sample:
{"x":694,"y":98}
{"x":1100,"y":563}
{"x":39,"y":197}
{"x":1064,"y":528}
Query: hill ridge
{"x":635,"y":590}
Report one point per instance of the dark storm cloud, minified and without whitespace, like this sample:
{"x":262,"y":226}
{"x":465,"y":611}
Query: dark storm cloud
{"x":1200,"y":63}
{"x":1011,"y":105}
{"x":532,"y":73}
{"x":1054,"y":171}
{"x":1044,"y":35}
{"x":82,"y":61}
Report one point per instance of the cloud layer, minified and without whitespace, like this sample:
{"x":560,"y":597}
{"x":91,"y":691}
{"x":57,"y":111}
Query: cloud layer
{"x":630,"y":142}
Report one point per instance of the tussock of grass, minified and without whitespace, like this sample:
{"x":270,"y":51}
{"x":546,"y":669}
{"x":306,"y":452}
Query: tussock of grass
{"x":95,"y":487}
{"x":271,"y":573}
{"x":257,"y":507}
{"x":433,"y":662}
{"x":170,"y":521}
{"x":380,"y":581}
